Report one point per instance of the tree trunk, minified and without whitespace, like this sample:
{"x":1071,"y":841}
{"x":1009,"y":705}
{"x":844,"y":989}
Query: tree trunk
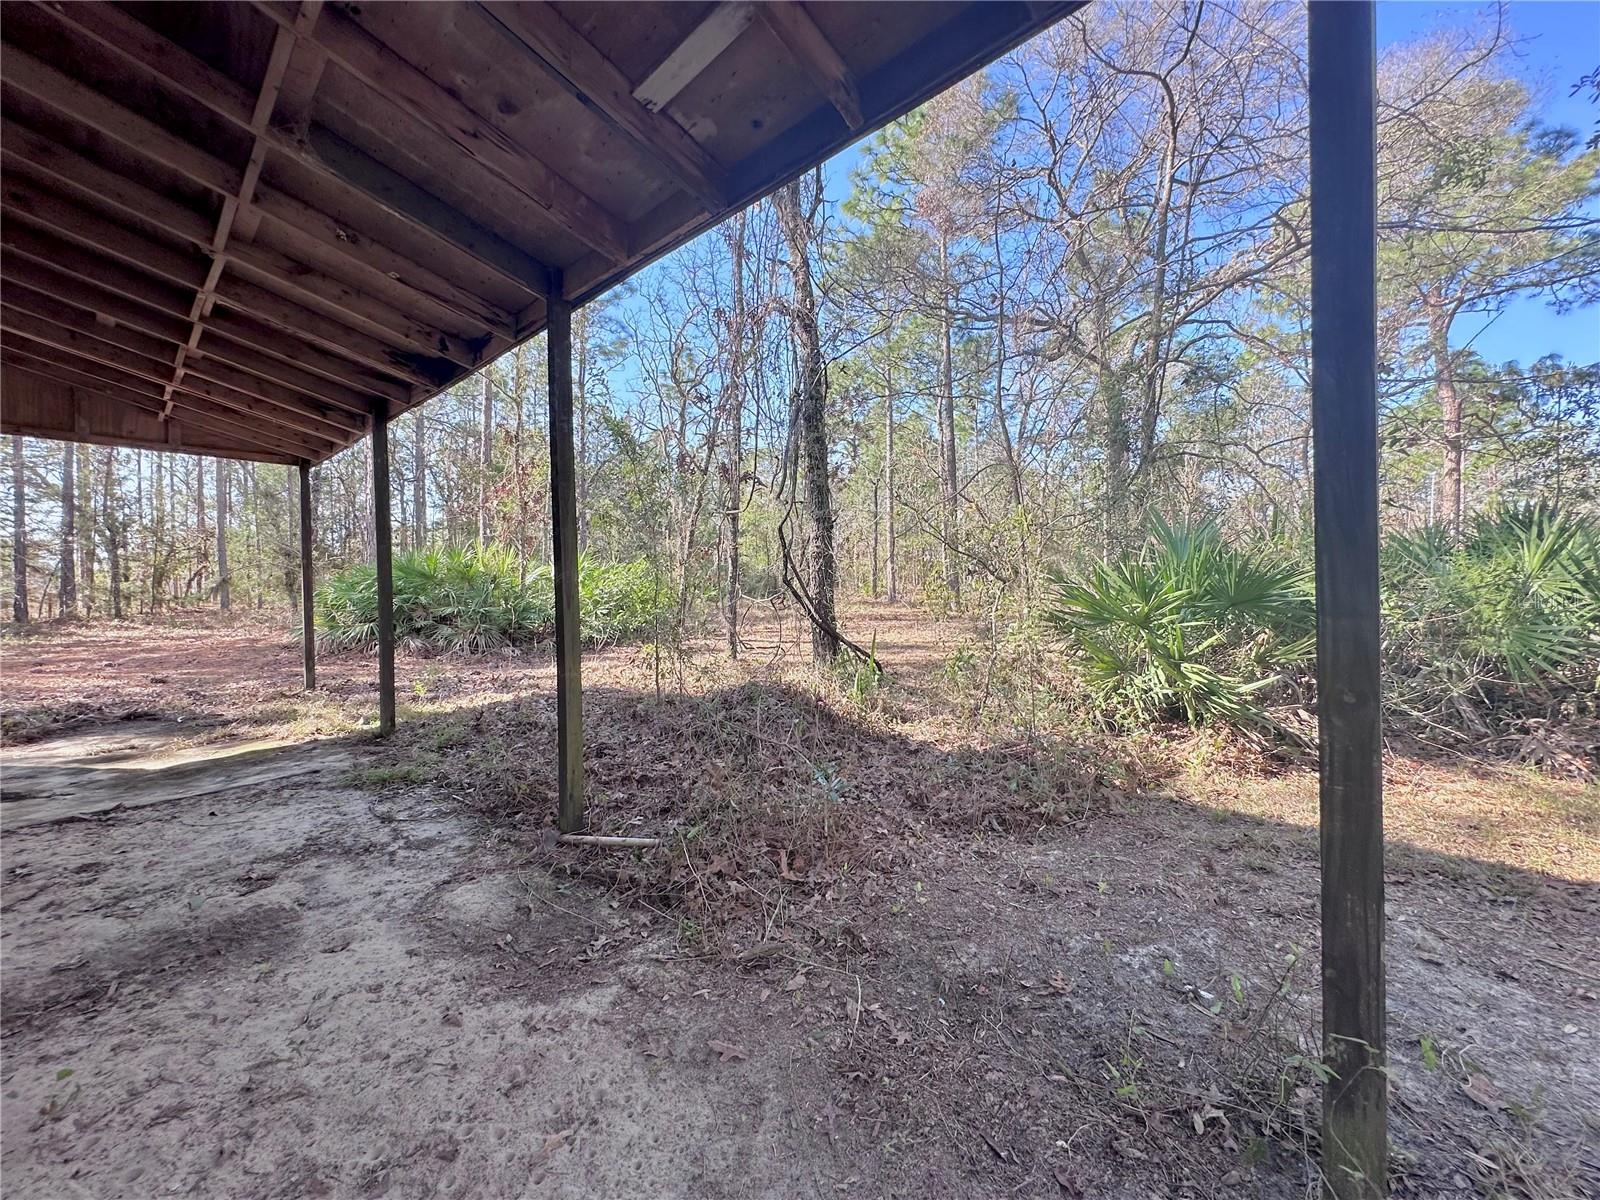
{"x":1450,"y":416}
{"x":19,"y":534}
{"x":113,"y":528}
{"x":486,"y":459}
{"x":580,"y":399}
{"x":158,"y":535}
{"x":69,"y":531}
{"x":811,"y":419}
{"x":223,"y":598}
{"x":419,"y":482}
{"x":877,"y":533}
{"x":200,"y":528}
{"x":86,"y":533}
{"x":519,"y":382}
{"x":949,"y":484}
{"x":735,"y":423}
{"x":891,"y":570}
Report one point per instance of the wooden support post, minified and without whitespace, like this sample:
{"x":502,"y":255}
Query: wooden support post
{"x":564,"y":513}
{"x":1344,"y":417}
{"x":308,"y":627}
{"x":384,"y":554}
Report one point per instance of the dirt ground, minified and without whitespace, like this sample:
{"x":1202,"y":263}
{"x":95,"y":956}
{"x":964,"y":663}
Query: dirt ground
{"x":904,"y":953}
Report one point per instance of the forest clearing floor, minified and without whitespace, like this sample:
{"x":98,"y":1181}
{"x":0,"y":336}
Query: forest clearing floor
{"x":893,"y":946}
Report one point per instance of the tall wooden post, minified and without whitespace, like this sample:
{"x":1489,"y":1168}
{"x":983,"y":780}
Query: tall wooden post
{"x":1344,"y":418}
{"x":308,"y":626}
{"x":564,"y":514}
{"x":384,"y":557}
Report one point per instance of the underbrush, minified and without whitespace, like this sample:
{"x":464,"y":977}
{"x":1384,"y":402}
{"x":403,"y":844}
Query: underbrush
{"x":1189,"y":627}
{"x":781,"y":810}
{"x":1491,"y":639}
{"x":476,"y":599}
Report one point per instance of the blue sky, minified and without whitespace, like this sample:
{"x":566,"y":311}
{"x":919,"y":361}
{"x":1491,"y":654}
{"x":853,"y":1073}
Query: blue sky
{"x":1560,"y":43}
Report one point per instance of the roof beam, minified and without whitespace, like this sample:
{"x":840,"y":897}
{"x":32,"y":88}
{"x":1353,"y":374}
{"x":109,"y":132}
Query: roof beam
{"x":694,"y":54}
{"x":354,"y":167}
{"x":594,"y":80}
{"x":74,"y":351}
{"x":31,"y":315}
{"x":121,"y":33}
{"x":166,"y":324}
{"x":337,"y":380}
{"x":242,"y":431}
{"x":793,"y":26}
{"x":398,"y":82}
{"x":260,"y":116}
{"x":42,"y":157}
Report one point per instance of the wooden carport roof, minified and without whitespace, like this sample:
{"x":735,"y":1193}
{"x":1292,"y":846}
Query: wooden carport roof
{"x":246,"y":229}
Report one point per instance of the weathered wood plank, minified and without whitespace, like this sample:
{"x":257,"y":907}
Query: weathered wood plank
{"x":564,"y":516}
{"x":247,"y":438}
{"x":308,"y":619}
{"x":793,"y":26}
{"x":324,"y":295}
{"x":694,"y":54}
{"x":384,"y":546}
{"x":595,"y":81}
{"x":405,"y":87}
{"x":1341,"y":50}
{"x":147,"y":359}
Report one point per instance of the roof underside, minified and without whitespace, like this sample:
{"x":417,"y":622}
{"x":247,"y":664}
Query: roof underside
{"x":239,"y":229}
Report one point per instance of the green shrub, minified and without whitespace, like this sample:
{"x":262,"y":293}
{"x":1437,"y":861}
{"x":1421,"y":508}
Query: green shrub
{"x":1504,"y":617}
{"x":1510,"y":608}
{"x":475,"y":599}
{"x":1188,"y":626}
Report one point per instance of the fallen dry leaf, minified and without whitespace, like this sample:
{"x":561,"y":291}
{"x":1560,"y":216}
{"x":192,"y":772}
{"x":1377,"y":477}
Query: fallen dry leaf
{"x":552,"y":1144}
{"x":1482,"y":1089}
{"x":727,"y":1051}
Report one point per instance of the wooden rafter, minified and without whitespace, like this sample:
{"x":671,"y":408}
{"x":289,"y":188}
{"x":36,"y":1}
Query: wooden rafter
{"x":260,"y":118}
{"x":88,"y":356}
{"x":55,"y":164}
{"x":399,"y":83}
{"x":694,"y":54}
{"x":570,"y":59}
{"x":110,"y":309}
{"x":121,"y":34}
{"x":244,"y":430}
{"x":41,"y":318}
{"x":328,"y":375}
{"x":793,"y":26}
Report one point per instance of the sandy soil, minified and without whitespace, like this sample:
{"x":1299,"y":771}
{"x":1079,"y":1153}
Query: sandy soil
{"x":335,"y":984}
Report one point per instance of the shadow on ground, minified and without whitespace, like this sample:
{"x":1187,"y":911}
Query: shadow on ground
{"x":862,"y":963}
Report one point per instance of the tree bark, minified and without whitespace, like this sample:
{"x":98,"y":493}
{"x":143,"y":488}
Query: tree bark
{"x":419,"y":481}
{"x":1450,"y":416}
{"x":201,"y":532}
{"x":735,"y":424}
{"x":519,"y":381}
{"x":223,"y":583}
{"x":486,"y":457}
{"x":19,"y":534}
{"x":892,"y":574}
{"x":949,"y":483}
{"x":86,"y":534}
{"x":877,"y":534}
{"x":113,"y":527}
{"x":69,"y":531}
{"x":811,"y":419}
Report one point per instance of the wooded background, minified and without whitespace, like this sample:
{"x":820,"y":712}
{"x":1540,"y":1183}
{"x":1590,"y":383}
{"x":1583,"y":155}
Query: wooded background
{"x":1062,"y":297}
